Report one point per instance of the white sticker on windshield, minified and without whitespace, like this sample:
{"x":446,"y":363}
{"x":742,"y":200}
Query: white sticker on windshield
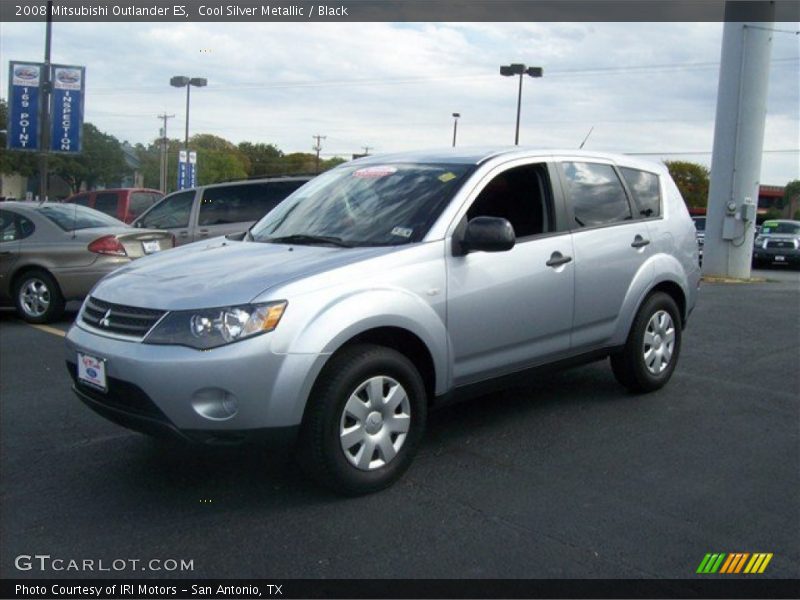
{"x":374,"y":172}
{"x":402,"y":232}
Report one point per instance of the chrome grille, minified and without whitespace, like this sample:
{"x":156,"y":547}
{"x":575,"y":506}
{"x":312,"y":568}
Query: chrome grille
{"x":119,"y":319}
{"x":780,"y":244}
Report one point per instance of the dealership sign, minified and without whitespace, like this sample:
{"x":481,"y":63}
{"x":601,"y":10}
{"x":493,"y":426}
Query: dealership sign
{"x":24,"y":105}
{"x":187,"y":169}
{"x":25,"y":94}
{"x":66,"y":124}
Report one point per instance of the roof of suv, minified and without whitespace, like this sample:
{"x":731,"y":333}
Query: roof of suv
{"x":479,"y":155}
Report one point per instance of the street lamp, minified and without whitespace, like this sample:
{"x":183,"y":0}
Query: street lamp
{"x":519,"y":69}
{"x":182,"y":81}
{"x":455,"y":127}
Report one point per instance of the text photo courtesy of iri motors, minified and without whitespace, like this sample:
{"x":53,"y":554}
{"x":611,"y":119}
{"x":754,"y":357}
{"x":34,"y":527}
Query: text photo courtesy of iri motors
{"x":458,"y":299}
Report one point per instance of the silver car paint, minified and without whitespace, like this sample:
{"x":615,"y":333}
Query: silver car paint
{"x":466,"y":310}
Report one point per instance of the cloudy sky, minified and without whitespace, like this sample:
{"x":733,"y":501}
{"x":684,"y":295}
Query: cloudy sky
{"x":645,"y":88}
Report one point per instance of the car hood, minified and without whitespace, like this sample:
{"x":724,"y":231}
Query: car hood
{"x":220,"y":272}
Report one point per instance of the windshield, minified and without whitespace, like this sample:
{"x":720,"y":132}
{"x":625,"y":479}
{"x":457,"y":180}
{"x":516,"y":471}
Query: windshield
{"x":73,"y":216}
{"x":780,"y":228}
{"x":381,"y":205}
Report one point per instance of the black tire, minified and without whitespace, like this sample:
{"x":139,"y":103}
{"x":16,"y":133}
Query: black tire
{"x":320,"y":452}
{"x":50,"y":294}
{"x":629,"y":365}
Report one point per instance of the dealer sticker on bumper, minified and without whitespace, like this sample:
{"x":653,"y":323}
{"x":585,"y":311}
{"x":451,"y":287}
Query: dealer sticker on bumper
{"x":92,"y":371}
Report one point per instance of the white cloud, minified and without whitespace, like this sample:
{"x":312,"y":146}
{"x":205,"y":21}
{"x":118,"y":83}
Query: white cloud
{"x":394,"y":86}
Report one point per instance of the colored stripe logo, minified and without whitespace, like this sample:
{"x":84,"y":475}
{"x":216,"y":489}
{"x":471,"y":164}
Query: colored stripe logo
{"x":735,"y":562}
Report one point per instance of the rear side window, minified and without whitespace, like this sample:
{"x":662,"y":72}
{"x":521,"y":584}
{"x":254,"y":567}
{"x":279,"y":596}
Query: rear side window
{"x":243,"y":202}
{"x":106,"y":202}
{"x":8,"y":230}
{"x":173,"y":211}
{"x":646,"y":191}
{"x":596,"y":194}
{"x":70,"y":217}
{"x":82,"y":200}
{"x":140,"y":202}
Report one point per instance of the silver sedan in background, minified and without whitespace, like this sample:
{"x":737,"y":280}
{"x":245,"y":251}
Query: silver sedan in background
{"x":51,"y":253}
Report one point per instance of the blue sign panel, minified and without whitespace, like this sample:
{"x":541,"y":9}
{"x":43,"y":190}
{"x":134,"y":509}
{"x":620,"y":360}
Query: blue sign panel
{"x":24,"y":100}
{"x":192,"y":169}
{"x":66,"y":108}
{"x":183,"y":170}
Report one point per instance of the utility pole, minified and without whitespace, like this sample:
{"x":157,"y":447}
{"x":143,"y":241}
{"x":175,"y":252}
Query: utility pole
{"x":738,"y":139}
{"x":318,"y":146}
{"x":45,"y":107}
{"x":366,"y":150}
{"x":162,"y":179}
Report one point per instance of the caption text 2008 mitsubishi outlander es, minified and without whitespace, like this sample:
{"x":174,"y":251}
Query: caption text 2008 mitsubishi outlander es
{"x":389,"y":285}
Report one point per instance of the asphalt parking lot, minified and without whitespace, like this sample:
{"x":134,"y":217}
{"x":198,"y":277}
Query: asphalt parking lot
{"x":567,"y":477}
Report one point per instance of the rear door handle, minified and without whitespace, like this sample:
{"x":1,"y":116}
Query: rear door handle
{"x":557,"y":259}
{"x":639,"y":242}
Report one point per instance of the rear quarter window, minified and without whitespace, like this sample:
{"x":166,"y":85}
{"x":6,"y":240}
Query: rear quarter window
{"x":646,"y":190}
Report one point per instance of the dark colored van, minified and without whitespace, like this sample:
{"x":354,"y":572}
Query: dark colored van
{"x":124,"y":204}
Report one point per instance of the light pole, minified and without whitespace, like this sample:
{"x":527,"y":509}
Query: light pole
{"x":182,"y":81}
{"x":455,"y":127}
{"x":519,"y":69}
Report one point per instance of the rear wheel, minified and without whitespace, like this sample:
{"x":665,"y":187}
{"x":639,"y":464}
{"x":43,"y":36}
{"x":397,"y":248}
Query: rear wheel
{"x":651,"y":351}
{"x":364,"y":422}
{"x":37,"y":297}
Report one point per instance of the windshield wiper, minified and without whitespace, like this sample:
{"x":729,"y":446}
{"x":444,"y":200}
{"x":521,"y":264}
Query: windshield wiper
{"x":300,"y":238}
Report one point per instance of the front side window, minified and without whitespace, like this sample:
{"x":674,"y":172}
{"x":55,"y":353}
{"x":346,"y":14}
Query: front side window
{"x":106,"y":202}
{"x":70,"y":217}
{"x":646,"y":191}
{"x":522,"y":196}
{"x":596,"y":194}
{"x":378,"y":205}
{"x":173,"y":211}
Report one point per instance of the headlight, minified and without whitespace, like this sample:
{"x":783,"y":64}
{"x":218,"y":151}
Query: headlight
{"x":212,"y":327}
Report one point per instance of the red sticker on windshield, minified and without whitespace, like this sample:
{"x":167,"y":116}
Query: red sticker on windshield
{"x":374,"y":172}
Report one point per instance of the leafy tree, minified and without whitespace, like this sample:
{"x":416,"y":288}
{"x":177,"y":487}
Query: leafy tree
{"x":101,"y":162}
{"x":692,"y":181}
{"x":218,"y":159}
{"x":264,"y":159}
{"x":791,"y":193}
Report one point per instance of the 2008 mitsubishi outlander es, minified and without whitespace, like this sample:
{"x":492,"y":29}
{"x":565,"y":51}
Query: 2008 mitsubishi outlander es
{"x":389,"y":285}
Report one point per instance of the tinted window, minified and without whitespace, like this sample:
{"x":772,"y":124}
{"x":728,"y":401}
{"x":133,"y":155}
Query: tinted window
{"x":173,"y":211}
{"x":25,"y":227}
{"x":596,"y":194}
{"x":242,"y":203}
{"x":387,"y":204}
{"x":8,"y":230}
{"x":72,"y":216}
{"x":140,"y":202}
{"x":699,"y":223}
{"x":106,"y":203}
{"x":520,"y":195}
{"x":82,"y":199}
{"x":646,"y":191}
{"x":771,"y":227}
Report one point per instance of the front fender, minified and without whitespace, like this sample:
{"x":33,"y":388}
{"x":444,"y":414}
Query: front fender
{"x":341,"y":318}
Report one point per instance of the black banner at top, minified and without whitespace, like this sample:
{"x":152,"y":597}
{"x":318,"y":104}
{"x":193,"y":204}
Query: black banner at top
{"x":398,"y":10}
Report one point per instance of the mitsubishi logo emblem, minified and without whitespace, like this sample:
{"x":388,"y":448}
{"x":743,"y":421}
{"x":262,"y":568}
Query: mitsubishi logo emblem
{"x":105,"y":321}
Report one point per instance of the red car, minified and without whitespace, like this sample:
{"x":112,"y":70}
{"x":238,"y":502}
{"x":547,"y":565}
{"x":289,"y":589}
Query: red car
{"x":124,"y":204}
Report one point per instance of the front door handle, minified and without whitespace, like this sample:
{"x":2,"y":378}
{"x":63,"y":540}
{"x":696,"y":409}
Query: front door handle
{"x":183,"y":234}
{"x":557,"y":259}
{"x":203,"y":231}
{"x":639,"y":242}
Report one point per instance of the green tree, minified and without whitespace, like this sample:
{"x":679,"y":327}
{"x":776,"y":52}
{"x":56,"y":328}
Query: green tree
{"x":791,"y":198}
{"x":692,"y":181}
{"x":218,"y":159}
{"x":101,"y":161}
{"x":264,"y":159}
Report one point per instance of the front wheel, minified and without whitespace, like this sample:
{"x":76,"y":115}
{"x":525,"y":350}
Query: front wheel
{"x":364,"y":421}
{"x":651,"y":352}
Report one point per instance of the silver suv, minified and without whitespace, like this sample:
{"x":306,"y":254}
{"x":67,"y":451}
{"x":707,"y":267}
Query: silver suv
{"x":386,"y":287}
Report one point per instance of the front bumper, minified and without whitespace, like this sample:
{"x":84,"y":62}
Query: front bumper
{"x":163,"y":389}
{"x":772,"y":255}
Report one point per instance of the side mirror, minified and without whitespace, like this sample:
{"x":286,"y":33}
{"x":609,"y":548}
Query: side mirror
{"x":236,"y":237}
{"x":487,"y":234}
